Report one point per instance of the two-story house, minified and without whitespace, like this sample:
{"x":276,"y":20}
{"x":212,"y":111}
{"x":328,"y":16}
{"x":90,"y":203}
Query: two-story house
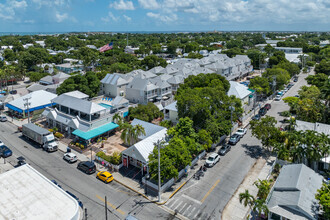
{"x":141,"y":91}
{"x":74,"y":115}
{"x":114,"y":84}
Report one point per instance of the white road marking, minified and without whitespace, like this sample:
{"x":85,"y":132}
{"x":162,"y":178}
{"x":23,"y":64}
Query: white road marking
{"x":192,"y":211}
{"x":196,"y":214}
{"x":174,"y":203}
{"x":192,"y":199}
{"x":178,"y":205}
{"x":186,"y":210}
{"x":183,"y":207}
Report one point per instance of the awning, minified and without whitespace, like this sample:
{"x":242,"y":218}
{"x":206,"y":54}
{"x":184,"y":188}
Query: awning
{"x":96,"y":131}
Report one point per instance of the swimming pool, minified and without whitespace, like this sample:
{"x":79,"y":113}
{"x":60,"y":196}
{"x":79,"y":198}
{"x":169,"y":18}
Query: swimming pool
{"x":105,"y":105}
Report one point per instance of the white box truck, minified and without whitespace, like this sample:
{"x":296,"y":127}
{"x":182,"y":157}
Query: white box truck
{"x":40,"y":135}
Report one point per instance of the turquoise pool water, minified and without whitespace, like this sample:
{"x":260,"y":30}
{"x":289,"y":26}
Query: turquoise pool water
{"x":105,"y":105}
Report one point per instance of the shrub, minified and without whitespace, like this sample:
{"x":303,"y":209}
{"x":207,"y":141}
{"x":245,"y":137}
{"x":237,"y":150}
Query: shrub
{"x":82,"y":146}
{"x":51,"y":130}
{"x":114,"y":159}
{"x":58,"y":135}
{"x":77,"y":144}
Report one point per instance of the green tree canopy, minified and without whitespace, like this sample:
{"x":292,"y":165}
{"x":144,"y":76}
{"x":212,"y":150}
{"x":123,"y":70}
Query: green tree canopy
{"x":145,"y":112}
{"x":88,"y":84}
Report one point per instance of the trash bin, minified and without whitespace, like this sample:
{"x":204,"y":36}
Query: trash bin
{"x":68,"y":149}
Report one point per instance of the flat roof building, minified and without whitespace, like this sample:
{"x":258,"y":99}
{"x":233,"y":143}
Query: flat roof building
{"x":27,"y":194}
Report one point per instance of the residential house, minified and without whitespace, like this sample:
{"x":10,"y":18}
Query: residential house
{"x":69,"y":67}
{"x":47,"y":80}
{"x":137,"y":155}
{"x":243,"y":93}
{"x":171,"y":113}
{"x":141,"y":91}
{"x":324,"y":164}
{"x":293,"y":195}
{"x":130,"y":49}
{"x":114,"y":85}
{"x":74,"y":115}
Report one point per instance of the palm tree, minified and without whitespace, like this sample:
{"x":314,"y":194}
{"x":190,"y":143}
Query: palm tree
{"x":126,"y":135}
{"x":138,"y":130}
{"x":263,"y":188}
{"x":117,"y":118}
{"x":246,"y":198}
{"x":260,"y":207}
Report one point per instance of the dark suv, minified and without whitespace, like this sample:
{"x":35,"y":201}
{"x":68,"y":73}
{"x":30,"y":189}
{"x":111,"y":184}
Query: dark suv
{"x":262,"y":111}
{"x":87,"y":167}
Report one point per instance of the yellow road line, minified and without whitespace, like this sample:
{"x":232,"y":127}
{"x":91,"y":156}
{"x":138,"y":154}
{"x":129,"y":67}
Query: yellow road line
{"x":208,"y":193}
{"x":111,"y":205}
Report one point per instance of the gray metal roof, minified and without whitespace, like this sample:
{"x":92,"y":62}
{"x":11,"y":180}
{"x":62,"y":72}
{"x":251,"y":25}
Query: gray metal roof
{"x":172,"y":107}
{"x":318,"y":127}
{"x":35,"y":87}
{"x":293,"y":195}
{"x":119,"y":100}
{"x":114,"y":79}
{"x":149,"y":128}
{"x":48,"y":79}
{"x":141,"y":84}
{"x":78,"y":104}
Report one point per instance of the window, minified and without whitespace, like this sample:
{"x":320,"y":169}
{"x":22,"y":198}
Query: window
{"x":275,"y":216}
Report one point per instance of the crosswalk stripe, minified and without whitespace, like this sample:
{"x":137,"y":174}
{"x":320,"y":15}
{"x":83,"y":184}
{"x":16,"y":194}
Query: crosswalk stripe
{"x":186,"y":210}
{"x":196,"y":214}
{"x":176,"y":200}
{"x":178,"y":205}
{"x":183,"y":207}
{"x":192,"y":211}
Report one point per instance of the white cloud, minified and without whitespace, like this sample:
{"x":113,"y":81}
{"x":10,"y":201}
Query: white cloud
{"x":7,"y":10}
{"x":110,"y":17}
{"x":149,"y":4}
{"x":163,"y":18}
{"x":122,"y":5}
{"x":127,"y":18}
{"x":61,"y":17}
{"x":29,"y":21}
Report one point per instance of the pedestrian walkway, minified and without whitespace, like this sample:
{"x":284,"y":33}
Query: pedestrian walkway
{"x":234,"y":210}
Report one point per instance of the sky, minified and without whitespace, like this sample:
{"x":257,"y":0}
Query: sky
{"x":164,"y":15}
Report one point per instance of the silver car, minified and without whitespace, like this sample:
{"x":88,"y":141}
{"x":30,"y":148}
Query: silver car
{"x":3,"y":118}
{"x":70,"y":157}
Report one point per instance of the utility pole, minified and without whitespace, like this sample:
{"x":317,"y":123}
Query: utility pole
{"x":106,"y":208}
{"x":27,"y":105}
{"x":85,"y":213}
{"x":274,"y":84}
{"x":159,"y":183}
{"x":231,"y":118}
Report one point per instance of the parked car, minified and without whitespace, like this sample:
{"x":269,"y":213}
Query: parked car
{"x":285,"y":90}
{"x":212,"y":160}
{"x":277,"y":98}
{"x":76,"y":198}
{"x":297,"y":96}
{"x":21,"y":161}
{"x":256,"y":117}
{"x":234,"y":139}
{"x":5,"y":151}
{"x":268,"y":106}
{"x":262,"y":111}
{"x":54,"y":181}
{"x":295,"y":79}
{"x":224,"y":149}
{"x":70,"y":157}
{"x":241,"y":131}
{"x":13,"y":92}
{"x":87,"y":167}
{"x":105,"y":176}
{"x":3,"y":118}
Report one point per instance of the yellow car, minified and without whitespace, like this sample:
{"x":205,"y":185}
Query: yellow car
{"x":105,"y":176}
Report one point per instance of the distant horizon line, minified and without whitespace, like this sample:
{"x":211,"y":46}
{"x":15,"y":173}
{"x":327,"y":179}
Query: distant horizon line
{"x":3,"y":33}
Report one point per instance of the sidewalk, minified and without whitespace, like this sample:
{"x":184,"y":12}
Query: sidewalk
{"x":153,"y":195}
{"x":4,"y":167}
{"x":234,"y":210}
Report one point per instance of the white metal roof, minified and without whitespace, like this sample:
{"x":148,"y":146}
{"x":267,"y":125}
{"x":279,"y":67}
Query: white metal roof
{"x":141,"y":150}
{"x":77,"y":94}
{"x":27,"y":194}
{"x":238,"y":90}
{"x":38,"y":98}
{"x":172,"y":107}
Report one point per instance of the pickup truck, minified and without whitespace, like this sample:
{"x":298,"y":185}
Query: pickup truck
{"x":41,"y":136}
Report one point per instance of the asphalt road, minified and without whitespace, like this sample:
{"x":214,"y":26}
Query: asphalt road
{"x":87,"y":188}
{"x":207,"y":197}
